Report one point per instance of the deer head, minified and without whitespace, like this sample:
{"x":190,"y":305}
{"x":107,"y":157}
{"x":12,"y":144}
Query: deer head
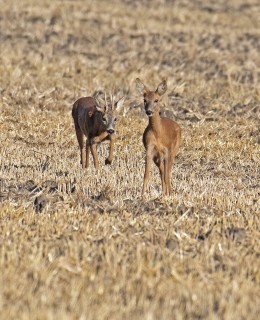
{"x":109,"y":110}
{"x":151,"y":98}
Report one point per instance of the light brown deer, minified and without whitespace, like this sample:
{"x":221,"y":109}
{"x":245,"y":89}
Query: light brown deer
{"x":161,"y":137}
{"x":95,"y":119}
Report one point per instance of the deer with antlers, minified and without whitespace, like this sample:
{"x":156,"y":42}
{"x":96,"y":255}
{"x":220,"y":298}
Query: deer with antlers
{"x":95,"y":118}
{"x":161,"y":137}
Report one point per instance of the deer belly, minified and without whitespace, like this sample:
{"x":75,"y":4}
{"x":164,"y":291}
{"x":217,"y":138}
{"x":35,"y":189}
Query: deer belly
{"x":159,"y":154}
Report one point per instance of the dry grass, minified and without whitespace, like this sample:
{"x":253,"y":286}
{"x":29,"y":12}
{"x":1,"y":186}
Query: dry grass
{"x":83,"y":245}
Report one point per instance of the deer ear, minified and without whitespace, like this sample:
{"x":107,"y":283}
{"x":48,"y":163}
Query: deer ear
{"x":100,"y":105}
{"x":119,"y":104}
{"x":162,"y":87}
{"x":90,"y":113}
{"x":140,"y":86}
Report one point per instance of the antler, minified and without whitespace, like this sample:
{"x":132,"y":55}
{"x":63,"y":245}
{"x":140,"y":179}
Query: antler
{"x":112,"y":100}
{"x":105,"y":99}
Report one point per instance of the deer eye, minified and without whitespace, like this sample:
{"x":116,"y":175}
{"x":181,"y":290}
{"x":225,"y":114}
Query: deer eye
{"x":156,"y":100}
{"x":115,"y":119}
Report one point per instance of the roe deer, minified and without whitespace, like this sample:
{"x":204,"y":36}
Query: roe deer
{"x":95,"y":119}
{"x":161,"y":137}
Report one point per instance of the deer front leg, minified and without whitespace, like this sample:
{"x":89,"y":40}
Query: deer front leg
{"x":99,"y":138}
{"x":112,"y":139}
{"x":148,"y":162}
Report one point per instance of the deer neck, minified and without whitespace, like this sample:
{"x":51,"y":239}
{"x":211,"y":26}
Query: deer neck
{"x":155,"y":123}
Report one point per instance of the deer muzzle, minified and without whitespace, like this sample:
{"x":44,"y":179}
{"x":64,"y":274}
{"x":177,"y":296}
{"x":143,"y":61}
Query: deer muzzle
{"x":149,"y":113}
{"x":110,"y":131}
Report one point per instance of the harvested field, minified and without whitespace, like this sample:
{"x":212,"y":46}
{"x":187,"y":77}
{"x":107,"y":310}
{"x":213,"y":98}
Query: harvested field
{"x":81,"y":244}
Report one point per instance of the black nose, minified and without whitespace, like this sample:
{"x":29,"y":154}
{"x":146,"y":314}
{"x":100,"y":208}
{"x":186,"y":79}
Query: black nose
{"x":110,"y":131}
{"x":149,"y":113}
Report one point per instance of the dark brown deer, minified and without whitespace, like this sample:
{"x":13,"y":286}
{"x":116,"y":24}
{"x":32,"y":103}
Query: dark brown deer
{"x":95,"y":119}
{"x":161,"y":137}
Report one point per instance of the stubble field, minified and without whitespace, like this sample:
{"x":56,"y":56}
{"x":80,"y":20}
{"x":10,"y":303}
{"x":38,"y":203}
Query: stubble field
{"x":81,"y":244}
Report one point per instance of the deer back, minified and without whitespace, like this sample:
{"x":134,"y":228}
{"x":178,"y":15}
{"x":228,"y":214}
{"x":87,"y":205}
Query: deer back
{"x":87,"y":117}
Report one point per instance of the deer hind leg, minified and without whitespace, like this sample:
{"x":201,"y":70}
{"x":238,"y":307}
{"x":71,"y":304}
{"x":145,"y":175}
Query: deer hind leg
{"x":93,"y":149}
{"x":167,"y":165}
{"x":111,"y":149}
{"x":87,"y":153}
{"x":80,"y":137}
{"x":161,"y":165}
{"x":168,"y":178}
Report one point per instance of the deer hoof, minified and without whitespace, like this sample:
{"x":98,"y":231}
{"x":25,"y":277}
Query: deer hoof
{"x":107,"y":161}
